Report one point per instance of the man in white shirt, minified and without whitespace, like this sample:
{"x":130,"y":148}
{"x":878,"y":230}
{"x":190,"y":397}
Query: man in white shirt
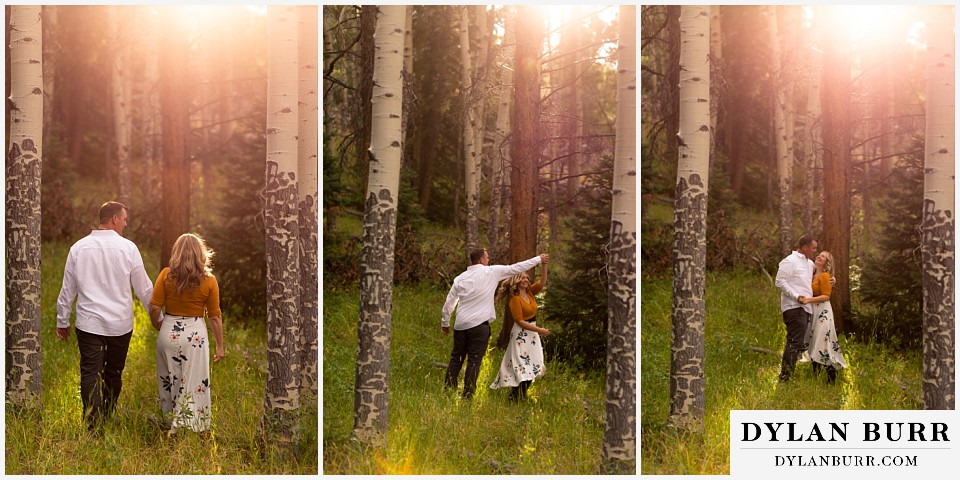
{"x":100,"y":271}
{"x":795,"y":281}
{"x":472,"y":297}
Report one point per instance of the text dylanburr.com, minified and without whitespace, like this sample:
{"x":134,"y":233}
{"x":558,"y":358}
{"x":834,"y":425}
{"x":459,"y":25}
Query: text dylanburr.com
{"x":878,"y":443}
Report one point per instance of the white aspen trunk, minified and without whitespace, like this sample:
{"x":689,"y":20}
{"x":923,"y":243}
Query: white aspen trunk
{"x":371,"y":393}
{"x":716,"y":51}
{"x":690,"y":222}
{"x":23,"y":174}
{"x":120,"y":83}
{"x":938,"y":243}
{"x":469,"y":133}
{"x":784,"y":163}
{"x":308,"y":189}
{"x":282,"y":399}
{"x":500,"y":200}
{"x":620,"y":423}
{"x":813,"y":141}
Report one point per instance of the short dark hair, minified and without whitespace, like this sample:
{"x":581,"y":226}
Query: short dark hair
{"x":805,"y":240}
{"x":476,"y":255}
{"x":109,"y":210}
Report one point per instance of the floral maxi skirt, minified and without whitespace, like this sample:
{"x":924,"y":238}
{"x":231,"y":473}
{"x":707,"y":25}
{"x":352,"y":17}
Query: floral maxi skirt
{"x":523,"y":359}
{"x":821,"y":344}
{"x":183,"y":372}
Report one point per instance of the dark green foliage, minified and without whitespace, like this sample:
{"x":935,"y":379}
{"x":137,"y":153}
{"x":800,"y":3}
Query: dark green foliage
{"x":891,"y":277}
{"x":576,"y":296}
{"x":240,"y":264}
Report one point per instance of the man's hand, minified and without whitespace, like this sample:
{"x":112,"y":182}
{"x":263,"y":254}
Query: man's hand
{"x":802,"y":300}
{"x":63,"y":333}
{"x":833,"y":280}
{"x":445,"y":330}
{"x":544,"y":257}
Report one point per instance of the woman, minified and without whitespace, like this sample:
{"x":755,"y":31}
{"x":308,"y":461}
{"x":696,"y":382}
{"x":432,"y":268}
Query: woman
{"x":523,"y":360}
{"x":187,"y":289}
{"x":822,"y":346}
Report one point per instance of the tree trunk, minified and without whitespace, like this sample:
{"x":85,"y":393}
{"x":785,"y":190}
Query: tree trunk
{"x":938,"y":251}
{"x":23,"y":172}
{"x":690,"y":225}
{"x":281,"y":225}
{"x":120,"y":83}
{"x":784,"y":162}
{"x":51,"y":59}
{"x":812,"y":137}
{"x":501,"y":160}
{"x":620,"y":423}
{"x":524,"y":179}
{"x":371,"y":393}
{"x":470,"y":148}
{"x":368,"y":20}
{"x":307,"y":165}
{"x":836,"y":159}
{"x":175,"y":124}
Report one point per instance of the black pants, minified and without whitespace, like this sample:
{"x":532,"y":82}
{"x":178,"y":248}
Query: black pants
{"x":796,"y":320}
{"x":102,"y":359}
{"x":472,"y":344}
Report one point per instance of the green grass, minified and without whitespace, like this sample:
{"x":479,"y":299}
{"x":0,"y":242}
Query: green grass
{"x":55,"y":443}
{"x":743,"y":311}
{"x":434,"y":432}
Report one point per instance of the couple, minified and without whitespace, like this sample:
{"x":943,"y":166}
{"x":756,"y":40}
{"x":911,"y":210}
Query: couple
{"x":472,"y":295}
{"x":805,"y":286}
{"x":100,"y":271}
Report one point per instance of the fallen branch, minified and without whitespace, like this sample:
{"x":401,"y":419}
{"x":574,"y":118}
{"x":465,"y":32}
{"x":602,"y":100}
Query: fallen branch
{"x":764,"y":350}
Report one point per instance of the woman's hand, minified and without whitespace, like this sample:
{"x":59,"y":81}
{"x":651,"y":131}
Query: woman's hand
{"x":220,"y":354}
{"x":544,"y":332}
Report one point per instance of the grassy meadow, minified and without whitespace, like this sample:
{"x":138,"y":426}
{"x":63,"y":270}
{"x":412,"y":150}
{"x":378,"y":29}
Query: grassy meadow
{"x":57,"y":443}
{"x":432,"y":431}
{"x":743,"y":312}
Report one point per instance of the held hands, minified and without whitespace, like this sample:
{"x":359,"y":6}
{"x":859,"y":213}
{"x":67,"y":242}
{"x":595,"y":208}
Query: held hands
{"x":803,"y":300}
{"x":445,"y":330}
{"x":544,"y":257}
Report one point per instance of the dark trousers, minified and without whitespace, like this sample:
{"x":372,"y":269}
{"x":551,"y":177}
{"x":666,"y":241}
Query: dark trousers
{"x":101,"y":365}
{"x":796,"y":320}
{"x":472,"y":344}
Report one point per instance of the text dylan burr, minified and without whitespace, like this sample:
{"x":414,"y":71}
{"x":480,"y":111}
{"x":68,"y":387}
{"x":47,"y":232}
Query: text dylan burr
{"x":838,"y":432}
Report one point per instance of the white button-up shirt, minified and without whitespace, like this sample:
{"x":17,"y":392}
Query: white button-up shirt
{"x":795,"y":278}
{"x":101,"y":268}
{"x":473,"y":290}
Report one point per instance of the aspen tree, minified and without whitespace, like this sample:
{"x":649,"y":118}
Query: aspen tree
{"x":938,"y":240}
{"x":307,"y":167}
{"x":469,"y":134}
{"x":620,"y":423}
{"x":23,"y":172}
{"x":371,"y":391}
{"x":500,"y":199}
{"x":280,"y":218}
{"x":690,"y":222}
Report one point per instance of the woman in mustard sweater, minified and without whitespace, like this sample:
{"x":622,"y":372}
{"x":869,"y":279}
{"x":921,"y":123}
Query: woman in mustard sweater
{"x":822,"y":345}
{"x":187,"y":290}
{"x":523,"y":360}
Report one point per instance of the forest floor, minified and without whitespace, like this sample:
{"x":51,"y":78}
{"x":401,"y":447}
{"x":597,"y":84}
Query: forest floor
{"x":742,"y":316}
{"x":433,"y":431}
{"x":57,"y":444}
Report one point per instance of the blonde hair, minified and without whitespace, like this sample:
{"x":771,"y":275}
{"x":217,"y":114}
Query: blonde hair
{"x":828,"y":263}
{"x":190,"y":262}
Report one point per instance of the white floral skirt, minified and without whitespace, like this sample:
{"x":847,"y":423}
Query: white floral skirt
{"x":523,"y":359}
{"x":821,"y":344}
{"x":183,"y":372}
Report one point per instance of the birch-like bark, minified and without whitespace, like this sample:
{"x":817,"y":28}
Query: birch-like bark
{"x":469,"y":132}
{"x":281,"y":224}
{"x":784,"y":161}
{"x":371,"y":392}
{"x":690,"y":222}
{"x":307,"y":168}
{"x":500,"y":200}
{"x":23,"y":172}
{"x":938,"y":243}
{"x":620,"y":423}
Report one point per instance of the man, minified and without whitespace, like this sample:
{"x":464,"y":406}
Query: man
{"x":101,"y":268}
{"x":472,"y":296}
{"x":794,"y":279}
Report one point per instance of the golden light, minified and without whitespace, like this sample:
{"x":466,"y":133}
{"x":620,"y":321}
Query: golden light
{"x":867,"y":22}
